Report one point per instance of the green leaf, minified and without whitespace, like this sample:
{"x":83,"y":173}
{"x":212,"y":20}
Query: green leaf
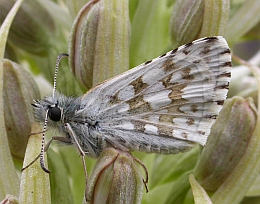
{"x":200,"y":195}
{"x":9,"y":183}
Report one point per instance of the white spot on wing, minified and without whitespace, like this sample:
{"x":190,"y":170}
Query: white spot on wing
{"x":154,"y":88}
{"x":122,"y":108}
{"x":154,"y":118}
{"x":126,"y":125}
{"x":176,"y":77}
{"x":151,"y":76}
{"x":126,"y":93}
{"x":151,"y":129}
{"x":158,"y":99}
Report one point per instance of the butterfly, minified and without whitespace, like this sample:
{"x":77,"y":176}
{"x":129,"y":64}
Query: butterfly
{"x":165,"y":105}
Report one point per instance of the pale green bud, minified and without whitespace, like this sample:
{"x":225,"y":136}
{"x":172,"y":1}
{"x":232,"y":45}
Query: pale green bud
{"x":186,"y":21}
{"x":19,"y":90}
{"x":116,"y":178}
{"x":99,"y":41}
{"x":193,"y":19}
{"x":227,"y":142}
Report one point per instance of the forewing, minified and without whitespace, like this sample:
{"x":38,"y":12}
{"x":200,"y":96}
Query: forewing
{"x":177,"y":95}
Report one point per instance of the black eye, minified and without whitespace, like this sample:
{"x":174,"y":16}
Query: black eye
{"x":54,"y":113}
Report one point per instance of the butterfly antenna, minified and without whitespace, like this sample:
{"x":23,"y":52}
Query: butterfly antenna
{"x":43,"y":144}
{"x":60,"y":56}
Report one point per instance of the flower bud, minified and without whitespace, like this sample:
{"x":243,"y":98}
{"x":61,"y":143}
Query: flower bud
{"x":215,"y":18}
{"x":32,"y":28}
{"x":115,"y":179}
{"x":99,"y":41}
{"x":227,"y":142}
{"x":19,"y":89}
{"x":186,"y":21}
{"x":193,"y":19}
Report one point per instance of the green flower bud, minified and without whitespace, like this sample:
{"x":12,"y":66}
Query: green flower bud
{"x":19,"y":89}
{"x":192,"y":19}
{"x":116,"y":178}
{"x":32,"y":28}
{"x":186,"y":21}
{"x":227,"y":142}
{"x":99,"y":41}
{"x":215,"y":18}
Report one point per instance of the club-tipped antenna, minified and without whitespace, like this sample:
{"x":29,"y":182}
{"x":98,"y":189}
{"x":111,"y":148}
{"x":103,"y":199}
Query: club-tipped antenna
{"x":60,"y":56}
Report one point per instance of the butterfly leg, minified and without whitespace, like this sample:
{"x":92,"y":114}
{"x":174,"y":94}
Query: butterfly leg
{"x":112,"y":141}
{"x":145,"y":181}
{"x":82,"y":153}
{"x":57,"y":138}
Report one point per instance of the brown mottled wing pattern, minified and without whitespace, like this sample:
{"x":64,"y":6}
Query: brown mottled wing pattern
{"x":167,"y":104}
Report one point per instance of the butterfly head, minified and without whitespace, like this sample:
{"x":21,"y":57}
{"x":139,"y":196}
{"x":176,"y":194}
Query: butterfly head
{"x":54,"y":113}
{"x":49,"y":109}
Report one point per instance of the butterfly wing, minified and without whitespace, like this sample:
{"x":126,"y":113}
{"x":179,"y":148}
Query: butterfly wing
{"x":166,"y":104}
